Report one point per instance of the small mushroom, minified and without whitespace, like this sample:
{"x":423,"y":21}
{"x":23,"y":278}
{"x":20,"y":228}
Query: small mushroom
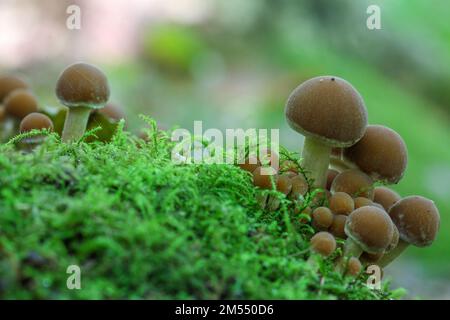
{"x":263,"y":181}
{"x":353,"y":182}
{"x":417,"y":220}
{"x":381,"y":153}
{"x":10,"y":83}
{"x":386,"y":197}
{"x":368,"y":229}
{"x":354,"y":267}
{"x":20,"y":103}
{"x":331,"y":174}
{"x":299,"y":187}
{"x":374,"y":258}
{"x":329,"y":112}
{"x":36,"y":121}
{"x":82,"y":88}
{"x":322,"y":243}
{"x":362,"y":202}
{"x":322,"y":218}
{"x":341,"y":203}
{"x":283,"y":185}
{"x":337,"y":227}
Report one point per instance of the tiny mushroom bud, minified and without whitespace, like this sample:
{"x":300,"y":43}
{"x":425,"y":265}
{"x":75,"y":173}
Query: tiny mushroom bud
{"x":369,"y":229}
{"x":353,"y":182}
{"x":322,"y":218}
{"x":362,"y":202}
{"x":354,"y":267}
{"x":337,"y":227}
{"x":9,"y":84}
{"x":283,"y":185}
{"x":341,"y":203}
{"x":329,"y":112}
{"x":20,"y":103}
{"x":417,"y":220}
{"x":381,"y":153}
{"x":386,"y":197}
{"x":323,"y":243}
{"x":263,"y":181}
{"x":82,"y":88}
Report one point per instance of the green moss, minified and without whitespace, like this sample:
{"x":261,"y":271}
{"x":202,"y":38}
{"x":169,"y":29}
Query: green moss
{"x":142,"y":227}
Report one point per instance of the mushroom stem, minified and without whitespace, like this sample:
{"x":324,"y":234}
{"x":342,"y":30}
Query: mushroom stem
{"x":76,"y":122}
{"x":339,"y":164}
{"x":351,"y":249}
{"x":393,"y":254}
{"x":316,"y":158}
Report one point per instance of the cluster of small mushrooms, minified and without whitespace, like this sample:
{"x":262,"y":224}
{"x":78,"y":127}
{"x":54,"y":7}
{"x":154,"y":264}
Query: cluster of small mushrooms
{"x":350,"y":164}
{"x":81,"y":87}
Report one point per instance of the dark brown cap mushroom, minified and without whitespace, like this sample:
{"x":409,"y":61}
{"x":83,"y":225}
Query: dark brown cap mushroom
{"x":36,"y":121}
{"x":323,"y":243}
{"x":417,"y":220}
{"x":10,"y":83}
{"x":353,"y":182}
{"x":341,"y":203}
{"x":329,"y":112}
{"x":369,"y":229}
{"x":322,"y":218}
{"x":386,"y":197}
{"x":20,"y":103}
{"x":81,"y":87}
{"x":381,"y":153}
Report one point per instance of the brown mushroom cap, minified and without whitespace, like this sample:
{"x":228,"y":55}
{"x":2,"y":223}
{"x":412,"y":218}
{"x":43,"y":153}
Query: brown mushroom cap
{"x":395,"y":239}
{"x":371,"y":228}
{"x":322,"y":218}
{"x":113,"y":111}
{"x":417,"y":220}
{"x":329,"y":109}
{"x":353,"y":182}
{"x":82,"y":84}
{"x":9,"y":84}
{"x":341,"y":203}
{"x":323,"y":243}
{"x":330,"y":177}
{"x":284,"y":184}
{"x":362,"y":202}
{"x":381,"y":153}
{"x":385,"y":196}
{"x":299,"y":186}
{"x":20,"y":102}
{"x":354,"y":267}
{"x":2,"y":113}
{"x":262,"y":180}
{"x":337,"y":227}
{"x":371,"y":258}
{"x":35,"y":121}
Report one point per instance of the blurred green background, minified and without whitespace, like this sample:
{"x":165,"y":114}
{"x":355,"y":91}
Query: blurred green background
{"x":233,"y":64}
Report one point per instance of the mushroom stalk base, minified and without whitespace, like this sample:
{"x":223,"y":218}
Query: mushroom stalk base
{"x":316,"y":158}
{"x":392,"y":255}
{"x":76,"y":122}
{"x":351,"y":249}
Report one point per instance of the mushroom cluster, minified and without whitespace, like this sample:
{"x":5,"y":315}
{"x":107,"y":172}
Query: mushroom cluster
{"x":19,"y":110}
{"x":81,"y":88}
{"x":349,"y":164}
